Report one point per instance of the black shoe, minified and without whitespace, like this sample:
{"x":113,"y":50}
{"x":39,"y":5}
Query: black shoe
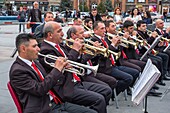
{"x":152,"y":92}
{"x":155,"y":87}
{"x":161,"y":83}
{"x":166,"y":76}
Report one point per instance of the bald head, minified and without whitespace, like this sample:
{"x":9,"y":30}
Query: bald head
{"x":75,"y":31}
{"x":159,"y":23}
{"x":53,"y":32}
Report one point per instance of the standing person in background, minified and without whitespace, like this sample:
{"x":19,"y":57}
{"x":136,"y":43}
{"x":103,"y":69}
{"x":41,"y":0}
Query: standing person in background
{"x":165,"y":15}
{"x":21,"y":18}
{"x":118,"y":17}
{"x":95,"y":16}
{"x":135,"y":16}
{"x":147,"y":17}
{"x":35,"y":15}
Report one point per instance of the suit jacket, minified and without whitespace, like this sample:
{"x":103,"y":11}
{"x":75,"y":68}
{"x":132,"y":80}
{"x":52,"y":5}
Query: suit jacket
{"x":32,"y":92}
{"x":105,"y":65}
{"x":47,"y":49}
{"x":39,"y":31}
{"x":98,"y":17}
{"x":33,"y":17}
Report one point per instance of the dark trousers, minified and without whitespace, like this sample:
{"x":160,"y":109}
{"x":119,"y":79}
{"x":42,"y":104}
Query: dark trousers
{"x":70,"y":108}
{"x":33,"y":27}
{"x":125,"y":76}
{"x":96,"y":96}
{"x":101,"y":78}
{"x":136,"y":64}
{"x":22,"y":20}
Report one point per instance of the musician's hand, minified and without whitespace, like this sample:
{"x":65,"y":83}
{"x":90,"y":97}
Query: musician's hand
{"x":115,"y":40}
{"x":86,"y":35}
{"x":78,"y":44}
{"x":97,"y":44}
{"x":161,"y":43}
{"x":126,"y":35}
{"x":168,"y":30}
{"x":60,"y":63}
{"x":134,"y":33}
{"x":154,"y":34}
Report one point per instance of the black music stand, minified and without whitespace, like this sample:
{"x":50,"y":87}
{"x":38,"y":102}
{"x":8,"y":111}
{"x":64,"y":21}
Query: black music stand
{"x":156,"y":41}
{"x":14,"y":52}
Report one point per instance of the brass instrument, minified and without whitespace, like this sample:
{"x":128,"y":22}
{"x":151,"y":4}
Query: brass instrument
{"x":122,"y":40}
{"x":76,"y":65}
{"x":89,"y":49}
{"x":117,"y":55}
{"x":89,"y":31}
{"x":134,"y":38}
{"x":154,"y":52}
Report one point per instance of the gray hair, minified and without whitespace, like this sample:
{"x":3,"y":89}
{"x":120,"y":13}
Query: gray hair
{"x":47,"y":28}
{"x":71,"y":30}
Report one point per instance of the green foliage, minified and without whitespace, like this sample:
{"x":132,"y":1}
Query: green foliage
{"x":108,"y":5}
{"x":65,"y":4}
{"x":101,"y":8}
{"x":83,"y":7}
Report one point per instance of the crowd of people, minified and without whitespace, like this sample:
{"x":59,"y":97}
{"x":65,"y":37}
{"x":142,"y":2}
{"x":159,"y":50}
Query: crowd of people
{"x":41,"y":75}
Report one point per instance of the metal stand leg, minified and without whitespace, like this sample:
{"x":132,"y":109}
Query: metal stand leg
{"x":145,"y":111}
{"x":116,"y":100}
{"x":14,"y":52}
{"x":166,"y":92}
{"x":125,"y":94}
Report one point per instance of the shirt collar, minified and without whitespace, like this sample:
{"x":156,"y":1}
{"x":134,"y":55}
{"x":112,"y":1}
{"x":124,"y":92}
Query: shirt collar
{"x":26,"y":61}
{"x":98,"y":36}
{"x":51,"y":43}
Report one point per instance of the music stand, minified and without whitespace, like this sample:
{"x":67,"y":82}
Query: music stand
{"x":14,"y":52}
{"x":156,"y":41}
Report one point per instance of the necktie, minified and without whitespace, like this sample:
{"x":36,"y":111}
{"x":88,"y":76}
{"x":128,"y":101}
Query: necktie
{"x":62,"y":53}
{"x":59,"y":49}
{"x":104,"y":42}
{"x":124,"y":55}
{"x":56,"y":99}
{"x":162,"y":32}
{"x":137,"y":51}
{"x":111,"y":56}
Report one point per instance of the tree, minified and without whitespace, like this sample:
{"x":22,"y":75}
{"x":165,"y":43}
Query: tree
{"x":65,"y":4}
{"x":83,"y":7}
{"x":101,"y":8}
{"x":108,"y":5}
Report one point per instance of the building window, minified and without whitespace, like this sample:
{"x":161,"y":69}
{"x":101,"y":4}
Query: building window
{"x":141,"y":0}
{"x":130,"y":0}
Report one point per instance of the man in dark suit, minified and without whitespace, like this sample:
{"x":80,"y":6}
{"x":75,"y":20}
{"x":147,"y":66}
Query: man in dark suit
{"x":94,"y":95}
{"x":35,"y":15}
{"x":101,"y":78}
{"x":48,"y":16}
{"x":95,"y":16}
{"x":34,"y":88}
{"x":125,"y":75}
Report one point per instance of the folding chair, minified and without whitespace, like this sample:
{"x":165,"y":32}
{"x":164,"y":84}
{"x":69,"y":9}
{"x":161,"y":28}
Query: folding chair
{"x":14,"y":97}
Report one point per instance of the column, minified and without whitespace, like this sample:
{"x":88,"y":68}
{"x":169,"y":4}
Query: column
{"x":75,"y":4}
{"x":123,"y":5}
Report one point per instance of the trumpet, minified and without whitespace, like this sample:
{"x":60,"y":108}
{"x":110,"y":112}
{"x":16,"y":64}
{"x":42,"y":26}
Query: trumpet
{"x":76,"y":65}
{"x":89,"y":31}
{"x":89,"y":49}
{"x":122,"y":40}
{"x":154,"y":52}
{"x":117,"y":55}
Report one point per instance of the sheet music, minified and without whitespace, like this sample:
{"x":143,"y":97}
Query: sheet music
{"x":146,"y":81}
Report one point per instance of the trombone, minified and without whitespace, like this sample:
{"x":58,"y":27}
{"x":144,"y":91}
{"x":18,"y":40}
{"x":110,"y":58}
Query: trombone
{"x":76,"y":65}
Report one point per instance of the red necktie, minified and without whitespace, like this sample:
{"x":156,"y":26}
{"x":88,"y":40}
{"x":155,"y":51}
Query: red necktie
{"x":137,"y":51}
{"x":111,"y":56}
{"x":104,"y":42}
{"x":56,"y":99}
{"x":62,"y":53}
{"x":59,"y":49}
{"x":124,"y":55}
{"x":162,"y":32}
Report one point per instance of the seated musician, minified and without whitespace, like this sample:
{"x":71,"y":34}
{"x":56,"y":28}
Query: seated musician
{"x":35,"y":88}
{"x":101,"y":78}
{"x":142,"y":34}
{"x":127,"y":57}
{"x":124,"y":75}
{"x":96,"y":96}
{"x":165,"y":33}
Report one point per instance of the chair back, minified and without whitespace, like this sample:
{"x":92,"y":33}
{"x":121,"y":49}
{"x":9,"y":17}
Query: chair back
{"x":14,"y":97}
